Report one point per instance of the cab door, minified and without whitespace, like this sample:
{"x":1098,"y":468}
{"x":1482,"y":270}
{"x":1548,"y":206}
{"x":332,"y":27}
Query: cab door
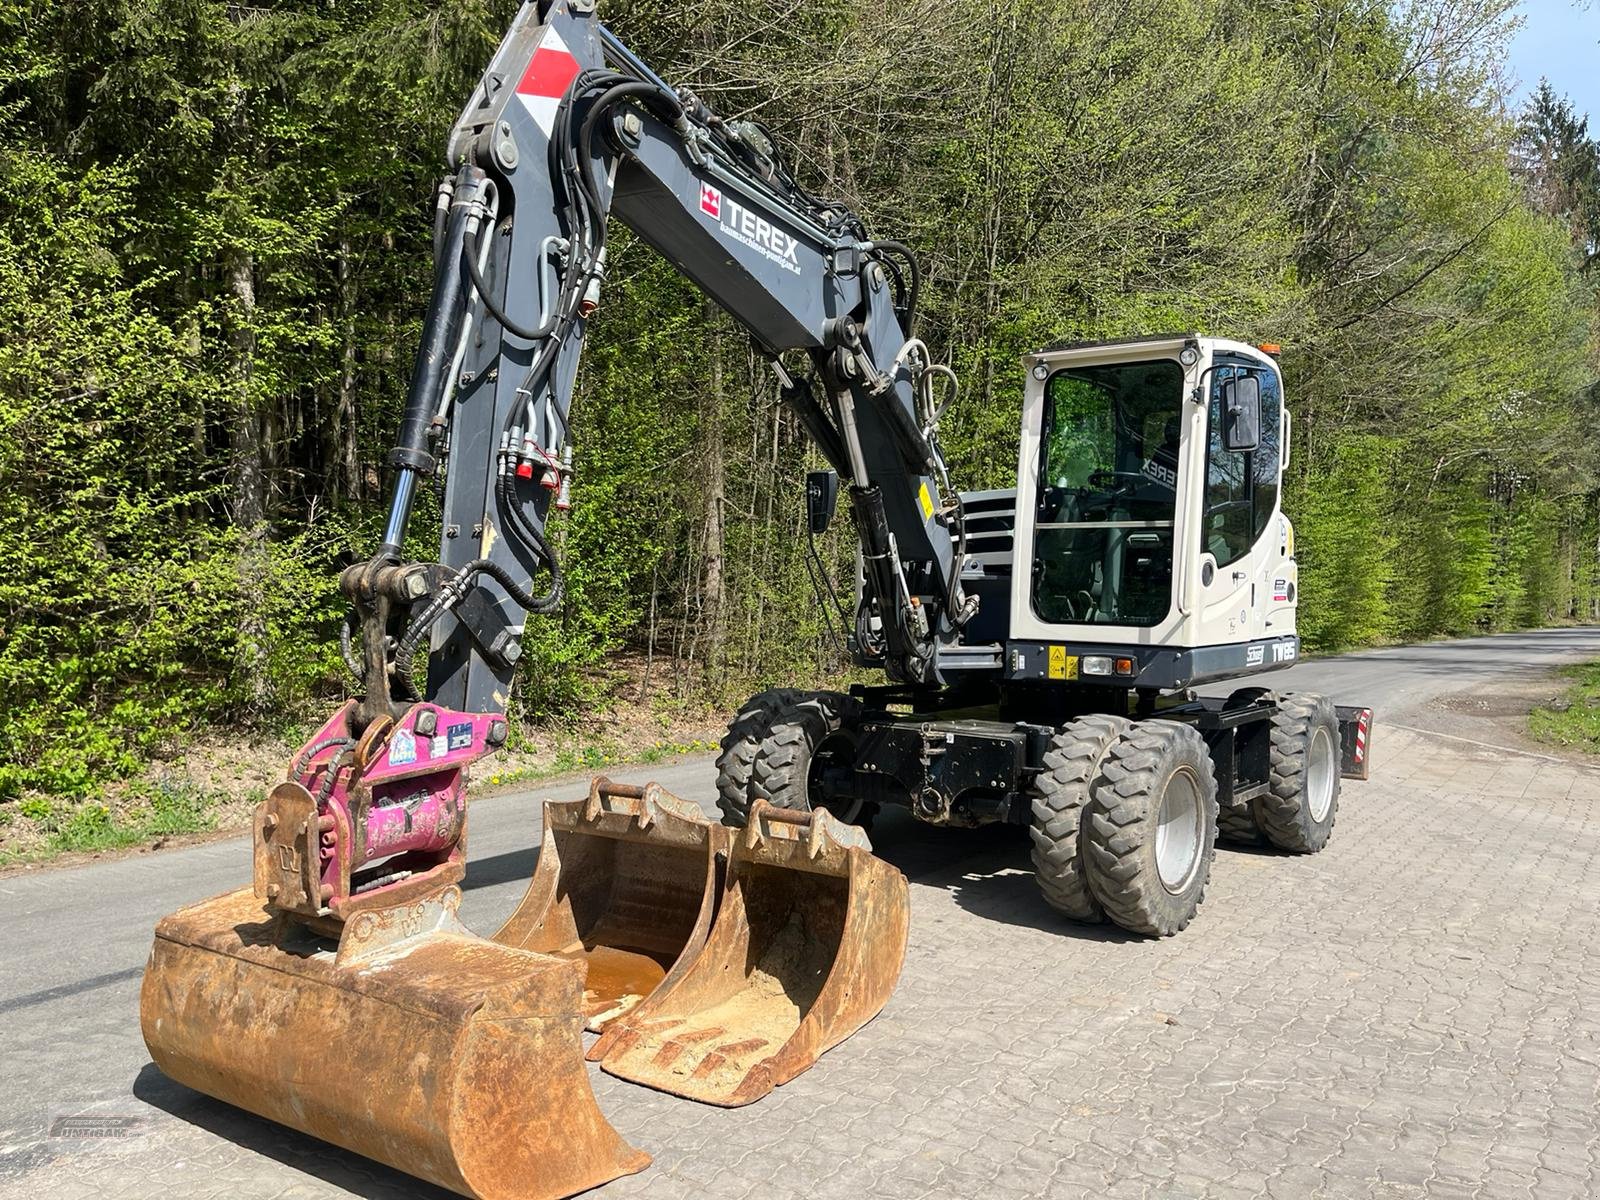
{"x":1238,"y":527}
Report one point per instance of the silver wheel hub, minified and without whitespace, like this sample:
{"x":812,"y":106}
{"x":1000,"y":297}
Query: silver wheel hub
{"x":1180,"y":825}
{"x":1321,"y":771}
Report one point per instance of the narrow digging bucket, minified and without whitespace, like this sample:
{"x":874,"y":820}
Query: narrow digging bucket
{"x":411,"y":1042}
{"x":807,"y":945}
{"x":626,"y":885}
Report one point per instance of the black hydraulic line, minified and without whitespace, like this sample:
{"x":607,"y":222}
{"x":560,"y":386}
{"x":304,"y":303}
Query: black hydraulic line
{"x":633,"y":62}
{"x":347,"y":648}
{"x":406,"y":650}
{"x":914,"y":297}
{"x":310,"y":752}
{"x":507,"y":322}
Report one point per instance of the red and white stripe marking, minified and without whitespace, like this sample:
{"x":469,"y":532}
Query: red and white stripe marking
{"x":550,"y":72}
{"x":1361,"y":734}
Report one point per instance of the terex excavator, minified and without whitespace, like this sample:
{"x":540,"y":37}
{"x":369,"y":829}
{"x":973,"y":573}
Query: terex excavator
{"x":1038,"y":643}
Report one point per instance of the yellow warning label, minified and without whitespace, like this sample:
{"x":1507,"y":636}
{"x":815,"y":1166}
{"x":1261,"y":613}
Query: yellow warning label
{"x":926,"y":501}
{"x":1062,"y":664}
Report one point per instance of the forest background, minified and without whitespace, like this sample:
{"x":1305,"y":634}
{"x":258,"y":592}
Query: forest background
{"x":214,"y":259}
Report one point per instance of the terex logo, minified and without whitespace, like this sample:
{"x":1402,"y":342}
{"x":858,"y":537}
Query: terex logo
{"x":710,"y":201}
{"x":756,"y":232}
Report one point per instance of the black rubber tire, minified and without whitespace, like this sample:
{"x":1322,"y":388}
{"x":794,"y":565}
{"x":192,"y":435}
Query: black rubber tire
{"x":1124,"y":813}
{"x":781,"y":772}
{"x":746,"y":732}
{"x":1236,"y":823}
{"x":1059,"y":794}
{"x":1284,"y":814}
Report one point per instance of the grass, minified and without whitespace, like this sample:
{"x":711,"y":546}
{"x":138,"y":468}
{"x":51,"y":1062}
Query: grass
{"x":570,"y":760}
{"x":1572,"y":721}
{"x":145,"y":812}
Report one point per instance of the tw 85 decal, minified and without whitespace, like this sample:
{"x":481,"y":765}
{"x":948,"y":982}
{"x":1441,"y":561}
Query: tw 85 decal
{"x":742,"y":225}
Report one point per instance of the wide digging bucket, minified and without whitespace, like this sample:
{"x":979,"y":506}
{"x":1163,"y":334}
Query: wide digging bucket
{"x":626,"y":885}
{"x":807,"y":945}
{"x":411,"y":1042}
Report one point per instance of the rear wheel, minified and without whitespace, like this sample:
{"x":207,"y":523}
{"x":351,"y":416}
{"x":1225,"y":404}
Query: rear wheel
{"x":746,"y":732}
{"x":1152,"y":828}
{"x":813,"y":735}
{"x":1298,"y":810}
{"x":1060,"y":796}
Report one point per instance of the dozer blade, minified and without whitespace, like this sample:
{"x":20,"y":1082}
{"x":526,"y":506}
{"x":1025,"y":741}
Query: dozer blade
{"x":412,"y":1042}
{"x":807,"y":945}
{"x":627,"y":884}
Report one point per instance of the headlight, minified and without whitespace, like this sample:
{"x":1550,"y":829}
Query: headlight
{"x":1095,"y":664}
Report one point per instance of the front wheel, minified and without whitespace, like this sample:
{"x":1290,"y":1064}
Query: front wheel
{"x":1152,"y":828}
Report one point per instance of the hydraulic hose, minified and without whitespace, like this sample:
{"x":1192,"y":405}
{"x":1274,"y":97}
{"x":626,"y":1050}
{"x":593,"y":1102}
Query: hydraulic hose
{"x":914,"y":269}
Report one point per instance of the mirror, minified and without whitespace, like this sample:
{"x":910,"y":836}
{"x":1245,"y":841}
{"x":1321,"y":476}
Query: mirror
{"x":822,"y":497}
{"x":1241,"y":412}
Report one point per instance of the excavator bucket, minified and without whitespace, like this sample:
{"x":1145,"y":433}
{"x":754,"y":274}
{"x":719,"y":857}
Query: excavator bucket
{"x":806,"y":946}
{"x":341,"y":996}
{"x":627,"y":885}
{"x":413,"y":1042}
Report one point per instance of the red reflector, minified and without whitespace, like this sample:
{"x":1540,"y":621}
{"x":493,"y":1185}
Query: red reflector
{"x":549,"y":73}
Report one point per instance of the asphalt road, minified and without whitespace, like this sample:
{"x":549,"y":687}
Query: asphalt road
{"x":75,"y":939}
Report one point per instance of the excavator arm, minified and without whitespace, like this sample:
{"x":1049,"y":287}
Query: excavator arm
{"x":568,"y":128}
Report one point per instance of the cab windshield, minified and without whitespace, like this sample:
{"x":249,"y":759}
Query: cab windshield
{"x":1108,"y":476}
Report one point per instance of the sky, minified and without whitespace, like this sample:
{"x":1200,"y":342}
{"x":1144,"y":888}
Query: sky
{"x":1560,"y":40}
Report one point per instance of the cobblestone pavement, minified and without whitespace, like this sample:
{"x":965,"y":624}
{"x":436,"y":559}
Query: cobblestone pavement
{"x":1414,"y":1012}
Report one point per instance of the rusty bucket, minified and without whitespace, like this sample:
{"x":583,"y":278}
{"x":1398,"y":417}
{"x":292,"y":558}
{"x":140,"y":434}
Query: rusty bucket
{"x":807,"y":945}
{"x":627,"y":885}
{"x":409,"y":1041}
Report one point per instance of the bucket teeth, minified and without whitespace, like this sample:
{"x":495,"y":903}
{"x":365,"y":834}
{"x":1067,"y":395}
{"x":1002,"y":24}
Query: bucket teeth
{"x":627,"y":884}
{"x":806,"y":947}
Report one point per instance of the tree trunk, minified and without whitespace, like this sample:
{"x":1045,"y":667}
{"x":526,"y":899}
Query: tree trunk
{"x":344,"y":456}
{"x":249,"y":488}
{"x":714,"y":609}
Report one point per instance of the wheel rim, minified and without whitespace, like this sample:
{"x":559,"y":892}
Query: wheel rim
{"x":847,"y":809}
{"x":1320,"y":775}
{"x":1179,"y":828}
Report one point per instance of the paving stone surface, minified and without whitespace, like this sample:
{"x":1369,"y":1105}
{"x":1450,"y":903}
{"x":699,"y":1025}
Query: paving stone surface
{"x":1413,"y":1013}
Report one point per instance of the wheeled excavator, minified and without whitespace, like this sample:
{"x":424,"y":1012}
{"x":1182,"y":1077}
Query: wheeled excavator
{"x":1039,"y":645}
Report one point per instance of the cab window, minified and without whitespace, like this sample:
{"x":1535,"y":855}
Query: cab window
{"x":1241,"y":485}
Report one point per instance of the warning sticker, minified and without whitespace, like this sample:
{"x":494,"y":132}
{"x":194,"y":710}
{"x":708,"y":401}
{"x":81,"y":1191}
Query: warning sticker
{"x":402,"y":748}
{"x":544,"y":84}
{"x":924,"y":499}
{"x":1062,"y":664}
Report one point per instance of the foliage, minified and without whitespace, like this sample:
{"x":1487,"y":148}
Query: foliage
{"x":1574,"y":719}
{"x":214,"y":257}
